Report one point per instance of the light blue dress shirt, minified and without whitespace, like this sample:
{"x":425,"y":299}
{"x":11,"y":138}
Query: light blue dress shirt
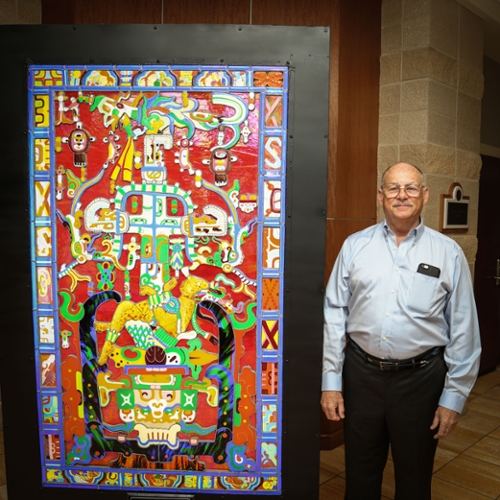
{"x":375,"y":296}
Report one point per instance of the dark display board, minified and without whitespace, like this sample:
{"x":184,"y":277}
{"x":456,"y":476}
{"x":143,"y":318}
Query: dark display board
{"x":163,"y":216}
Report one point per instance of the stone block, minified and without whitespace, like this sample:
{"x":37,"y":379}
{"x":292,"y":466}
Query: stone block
{"x":440,"y":160}
{"x":415,"y":8}
{"x":429,"y":63}
{"x":415,"y":154}
{"x":444,"y":26}
{"x":390,"y":99}
{"x":29,"y":12}
{"x":471,"y":39}
{"x":431,"y":217}
{"x":414,"y":95}
{"x":416,"y":64}
{"x":8,"y":12}
{"x":468,"y":136}
{"x":473,"y":217}
{"x":416,"y":33}
{"x":468,"y":164}
{"x":388,"y":132}
{"x":392,"y":12}
{"x":471,"y":81}
{"x":386,"y":157}
{"x":414,"y":127}
{"x":442,"y":130}
{"x":430,"y":158}
{"x":390,"y":69}
{"x":469,"y":109}
{"x":442,"y":99}
{"x":391,"y":41}
{"x":438,"y":185}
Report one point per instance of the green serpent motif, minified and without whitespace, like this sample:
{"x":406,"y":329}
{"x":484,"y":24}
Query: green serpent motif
{"x":64,"y":309}
{"x":250,"y":321}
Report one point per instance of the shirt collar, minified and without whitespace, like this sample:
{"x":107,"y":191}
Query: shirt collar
{"x":416,"y":232}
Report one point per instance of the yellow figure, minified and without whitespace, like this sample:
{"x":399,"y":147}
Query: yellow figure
{"x":147,"y":310}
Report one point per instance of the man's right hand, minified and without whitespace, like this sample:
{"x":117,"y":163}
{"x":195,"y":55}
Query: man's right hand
{"x":332,"y":403}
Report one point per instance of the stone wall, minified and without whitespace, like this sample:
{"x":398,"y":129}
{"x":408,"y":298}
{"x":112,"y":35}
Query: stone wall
{"x":431,"y":84}
{"x":20,"y":11}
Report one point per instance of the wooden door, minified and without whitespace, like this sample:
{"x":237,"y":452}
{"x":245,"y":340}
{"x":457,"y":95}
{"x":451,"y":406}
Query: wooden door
{"x":486,"y":287}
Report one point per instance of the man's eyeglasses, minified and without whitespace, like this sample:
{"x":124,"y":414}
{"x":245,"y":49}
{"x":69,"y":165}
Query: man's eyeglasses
{"x":392,"y":190}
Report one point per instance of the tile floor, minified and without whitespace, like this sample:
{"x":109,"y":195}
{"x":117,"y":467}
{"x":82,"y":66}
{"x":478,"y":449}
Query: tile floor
{"x":467,"y":463}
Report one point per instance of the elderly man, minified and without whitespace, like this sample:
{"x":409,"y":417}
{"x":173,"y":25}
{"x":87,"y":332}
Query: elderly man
{"x":401,"y":329}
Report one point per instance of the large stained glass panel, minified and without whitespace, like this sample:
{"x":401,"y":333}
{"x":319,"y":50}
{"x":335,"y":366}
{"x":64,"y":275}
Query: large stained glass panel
{"x":158,"y":237}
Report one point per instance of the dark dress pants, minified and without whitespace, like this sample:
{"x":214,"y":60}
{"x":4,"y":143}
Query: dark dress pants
{"x":390,"y":407}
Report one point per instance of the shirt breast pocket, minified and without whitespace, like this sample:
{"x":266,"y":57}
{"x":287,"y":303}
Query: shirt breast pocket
{"x":423,"y":293}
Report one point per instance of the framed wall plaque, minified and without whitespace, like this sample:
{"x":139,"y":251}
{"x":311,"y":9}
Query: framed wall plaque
{"x":454,"y":210}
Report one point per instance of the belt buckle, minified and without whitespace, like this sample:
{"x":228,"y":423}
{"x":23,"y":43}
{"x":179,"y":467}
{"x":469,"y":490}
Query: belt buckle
{"x":383,"y":364}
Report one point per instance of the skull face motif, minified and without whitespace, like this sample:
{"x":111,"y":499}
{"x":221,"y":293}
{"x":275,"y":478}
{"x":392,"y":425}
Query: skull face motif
{"x":188,"y":416}
{"x":79,"y":143}
{"x":220,"y":165}
{"x":127,"y":415}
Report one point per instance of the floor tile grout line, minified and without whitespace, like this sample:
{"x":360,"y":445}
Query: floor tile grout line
{"x":331,"y":479}
{"x":483,"y":436}
{"x":483,"y":461}
{"x":444,"y":465}
{"x":463,"y":452}
{"x":468,"y":447}
{"x":487,"y":435}
{"x":465,"y":488}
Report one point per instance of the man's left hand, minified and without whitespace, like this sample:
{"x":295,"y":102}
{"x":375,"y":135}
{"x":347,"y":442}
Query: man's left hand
{"x":445,"y":420}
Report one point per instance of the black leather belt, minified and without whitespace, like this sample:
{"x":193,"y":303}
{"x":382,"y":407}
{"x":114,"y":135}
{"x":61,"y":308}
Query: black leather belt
{"x":397,"y":364}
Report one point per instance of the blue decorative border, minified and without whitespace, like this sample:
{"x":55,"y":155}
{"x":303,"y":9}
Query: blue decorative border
{"x":55,"y":473}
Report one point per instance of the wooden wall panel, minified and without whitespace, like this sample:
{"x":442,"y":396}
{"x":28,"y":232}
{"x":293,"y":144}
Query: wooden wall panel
{"x":118,"y":12}
{"x":207,"y":12}
{"x":58,"y":12}
{"x":146,"y":12}
{"x":294,"y":12}
{"x":352,"y":178}
{"x":101,"y":12}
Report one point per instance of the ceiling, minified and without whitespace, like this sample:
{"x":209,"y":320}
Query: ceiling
{"x":489,"y":10}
